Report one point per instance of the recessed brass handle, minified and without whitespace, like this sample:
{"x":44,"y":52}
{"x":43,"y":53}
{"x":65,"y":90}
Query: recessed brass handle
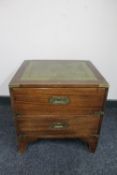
{"x":59,"y":100}
{"x":22,"y":136}
{"x":17,"y":114}
{"x":59,"y":125}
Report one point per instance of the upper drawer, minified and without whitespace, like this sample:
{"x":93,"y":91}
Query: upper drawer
{"x":57,"y":100}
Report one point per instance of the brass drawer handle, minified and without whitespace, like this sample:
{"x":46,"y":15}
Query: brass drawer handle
{"x":17,"y":114}
{"x":59,"y":100}
{"x":59,"y":125}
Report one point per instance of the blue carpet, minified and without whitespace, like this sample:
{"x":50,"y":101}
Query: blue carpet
{"x":58,"y":157}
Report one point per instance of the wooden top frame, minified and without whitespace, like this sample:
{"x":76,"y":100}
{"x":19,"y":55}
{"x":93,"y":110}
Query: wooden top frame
{"x":57,"y":73}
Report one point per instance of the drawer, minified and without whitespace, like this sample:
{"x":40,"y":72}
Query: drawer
{"x":57,"y":100}
{"x":66,"y":126}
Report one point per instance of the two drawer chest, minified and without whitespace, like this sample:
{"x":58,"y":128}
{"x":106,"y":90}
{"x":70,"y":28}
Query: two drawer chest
{"x":58,"y":99}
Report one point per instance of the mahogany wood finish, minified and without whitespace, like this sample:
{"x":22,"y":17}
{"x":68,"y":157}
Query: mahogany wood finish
{"x":58,"y":106}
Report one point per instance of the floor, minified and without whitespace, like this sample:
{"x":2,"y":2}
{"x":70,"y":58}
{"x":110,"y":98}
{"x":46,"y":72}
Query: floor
{"x":58,"y":157}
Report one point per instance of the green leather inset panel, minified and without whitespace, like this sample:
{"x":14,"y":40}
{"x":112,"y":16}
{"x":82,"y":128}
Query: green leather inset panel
{"x":49,"y":71}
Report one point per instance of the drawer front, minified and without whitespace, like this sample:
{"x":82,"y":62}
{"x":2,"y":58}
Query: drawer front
{"x":57,"y":100}
{"x":66,"y":126}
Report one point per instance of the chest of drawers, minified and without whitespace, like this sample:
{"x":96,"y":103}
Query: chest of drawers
{"x":58,"y":99}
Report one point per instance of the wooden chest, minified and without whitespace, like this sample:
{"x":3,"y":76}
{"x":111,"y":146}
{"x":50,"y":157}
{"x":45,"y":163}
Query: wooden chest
{"x":58,"y":99}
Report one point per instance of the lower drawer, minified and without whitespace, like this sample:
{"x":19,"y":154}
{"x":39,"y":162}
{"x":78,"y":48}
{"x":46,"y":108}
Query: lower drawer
{"x":53,"y":126}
